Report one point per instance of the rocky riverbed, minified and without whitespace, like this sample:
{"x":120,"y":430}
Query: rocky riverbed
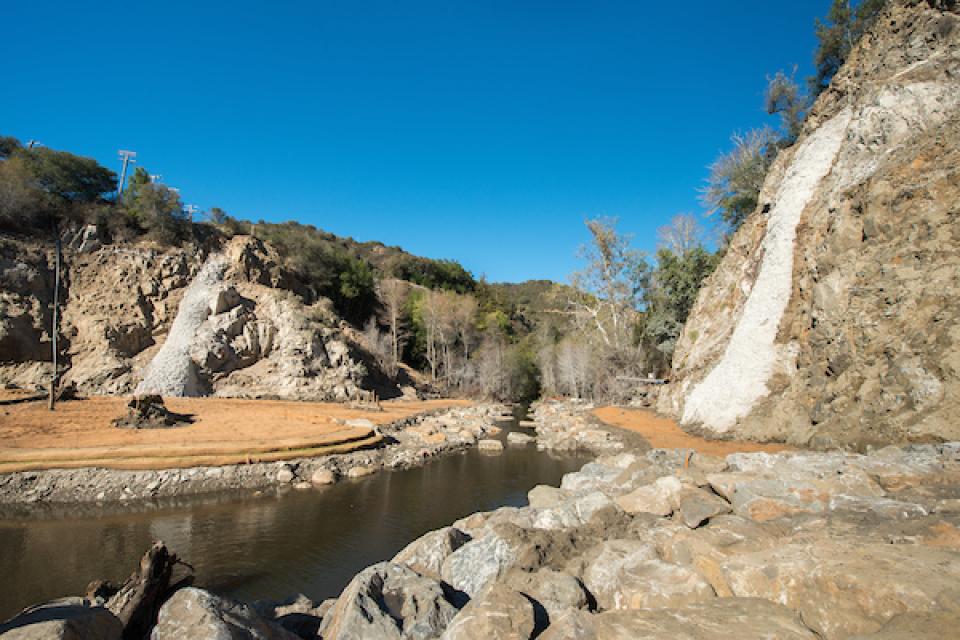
{"x":410,"y":442}
{"x":651,"y":544}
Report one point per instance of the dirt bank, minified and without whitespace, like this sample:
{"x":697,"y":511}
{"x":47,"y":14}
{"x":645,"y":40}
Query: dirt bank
{"x":664,"y":433}
{"x":224,"y":431}
{"x":404,"y":437}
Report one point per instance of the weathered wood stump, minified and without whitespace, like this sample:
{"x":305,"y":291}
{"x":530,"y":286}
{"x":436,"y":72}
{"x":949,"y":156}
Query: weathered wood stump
{"x":137,"y":602}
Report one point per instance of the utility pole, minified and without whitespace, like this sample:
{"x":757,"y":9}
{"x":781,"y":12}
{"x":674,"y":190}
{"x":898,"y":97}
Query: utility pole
{"x":127,"y":157}
{"x":56,"y":311}
{"x":191,"y":210}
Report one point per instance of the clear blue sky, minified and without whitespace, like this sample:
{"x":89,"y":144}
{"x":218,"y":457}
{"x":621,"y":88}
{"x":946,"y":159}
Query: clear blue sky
{"x":483,"y":131}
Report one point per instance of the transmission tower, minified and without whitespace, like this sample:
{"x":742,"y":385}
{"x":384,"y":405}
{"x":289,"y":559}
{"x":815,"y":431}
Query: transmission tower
{"x":127,"y":157}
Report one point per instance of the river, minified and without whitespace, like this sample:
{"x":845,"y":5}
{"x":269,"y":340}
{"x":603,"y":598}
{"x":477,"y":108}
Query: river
{"x":268,"y":546}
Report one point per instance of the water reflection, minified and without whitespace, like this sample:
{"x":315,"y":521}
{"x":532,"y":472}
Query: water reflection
{"x":268,"y":546}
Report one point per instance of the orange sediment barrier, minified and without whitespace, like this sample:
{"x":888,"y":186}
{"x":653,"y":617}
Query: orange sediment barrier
{"x":664,"y":433}
{"x":225,"y":431}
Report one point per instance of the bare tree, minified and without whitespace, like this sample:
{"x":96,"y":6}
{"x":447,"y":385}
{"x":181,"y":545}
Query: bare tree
{"x":609,"y":286}
{"x":682,"y":234}
{"x":393,"y":296}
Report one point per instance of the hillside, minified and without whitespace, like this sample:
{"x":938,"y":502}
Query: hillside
{"x":245,"y":332}
{"x":832,"y":318}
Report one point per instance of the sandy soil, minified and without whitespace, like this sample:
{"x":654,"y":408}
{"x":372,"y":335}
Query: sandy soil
{"x":81,"y":430}
{"x":664,"y":433}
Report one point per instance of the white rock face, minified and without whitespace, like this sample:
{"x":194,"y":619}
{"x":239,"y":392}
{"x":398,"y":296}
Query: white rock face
{"x":740,"y":379}
{"x":172,"y":372}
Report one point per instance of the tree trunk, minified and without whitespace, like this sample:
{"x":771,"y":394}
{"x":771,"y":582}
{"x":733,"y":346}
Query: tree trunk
{"x":138,"y":601}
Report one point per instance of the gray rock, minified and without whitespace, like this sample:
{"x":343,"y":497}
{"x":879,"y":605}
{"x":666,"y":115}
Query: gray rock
{"x":659,"y":498}
{"x":322,"y":477}
{"x":389,"y":601}
{"x":740,"y":618}
{"x":427,"y":554}
{"x":490,"y":446}
{"x":64,"y":619}
{"x":515,"y":437}
{"x":605,"y":563}
{"x":501,"y":613}
{"x":592,"y":477}
{"x":543,"y":496}
{"x":555,"y":591}
{"x":878,"y":581}
{"x":478,"y":563}
{"x":696,"y":506}
{"x":200,"y":615}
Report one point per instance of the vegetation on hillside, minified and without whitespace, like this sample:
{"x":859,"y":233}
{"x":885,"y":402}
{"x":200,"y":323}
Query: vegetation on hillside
{"x":735,"y":178}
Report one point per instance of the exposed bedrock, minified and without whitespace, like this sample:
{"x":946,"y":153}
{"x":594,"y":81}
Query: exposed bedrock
{"x":832,"y":319}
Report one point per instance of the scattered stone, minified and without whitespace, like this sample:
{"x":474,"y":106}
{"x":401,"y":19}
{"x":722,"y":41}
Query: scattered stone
{"x":515,"y":437}
{"x":490,"y":446}
{"x":322,"y":477}
{"x":285,"y":475}
{"x":361,"y":471}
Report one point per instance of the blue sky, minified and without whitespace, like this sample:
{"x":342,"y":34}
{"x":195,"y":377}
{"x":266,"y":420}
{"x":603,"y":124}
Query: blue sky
{"x":485,"y":132}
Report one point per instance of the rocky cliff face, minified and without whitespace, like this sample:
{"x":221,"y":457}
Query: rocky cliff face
{"x":832,"y":319}
{"x":227,"y":323}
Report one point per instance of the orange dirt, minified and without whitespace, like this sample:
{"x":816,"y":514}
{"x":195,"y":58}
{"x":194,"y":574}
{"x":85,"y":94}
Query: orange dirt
{"x":225,"y":431}
{"x":664,"y":433}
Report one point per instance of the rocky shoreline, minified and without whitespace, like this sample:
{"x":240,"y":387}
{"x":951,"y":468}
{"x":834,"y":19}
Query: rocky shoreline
{"x":411,"y":442}
{"x":653,"y":544}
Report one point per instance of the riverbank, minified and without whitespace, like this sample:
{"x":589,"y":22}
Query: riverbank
{"x":656,"y":543}
{"x":411,"y":438}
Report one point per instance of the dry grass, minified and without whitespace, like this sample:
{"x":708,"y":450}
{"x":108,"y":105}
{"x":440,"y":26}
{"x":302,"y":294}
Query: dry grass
{"x":664,"y":433}
{"x":225,"y":431}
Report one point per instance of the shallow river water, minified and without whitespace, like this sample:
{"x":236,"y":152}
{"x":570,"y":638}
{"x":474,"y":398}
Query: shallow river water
{"x":270,"y":547}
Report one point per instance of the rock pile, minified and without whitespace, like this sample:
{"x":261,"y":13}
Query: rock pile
{"x":568,"y":426}
{"x":662,"y":544}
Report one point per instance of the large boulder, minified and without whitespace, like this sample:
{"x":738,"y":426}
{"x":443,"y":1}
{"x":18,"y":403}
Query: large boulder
{"x":659,"y":498}
{"x":64,"y":619}
{"x":200,"y":615}
{"x":389,"y":601}
{"x":557,"y":592}
{"x":846,"y":588}
{"x":478,"y":563}
{"x":500,"y":613}
{"x":427,"y":554}
{"x":740,"y":618}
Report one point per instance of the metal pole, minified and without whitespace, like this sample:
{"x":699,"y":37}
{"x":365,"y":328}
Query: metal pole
{"x":127,"y":156}
{"x":56,"y":310}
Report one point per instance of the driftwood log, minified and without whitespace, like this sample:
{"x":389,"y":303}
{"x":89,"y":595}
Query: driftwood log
{"x":137,"y":602}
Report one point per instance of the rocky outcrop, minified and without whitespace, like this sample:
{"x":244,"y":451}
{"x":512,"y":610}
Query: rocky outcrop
{"x":831,"y":319}
{"x":233,"y":323}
